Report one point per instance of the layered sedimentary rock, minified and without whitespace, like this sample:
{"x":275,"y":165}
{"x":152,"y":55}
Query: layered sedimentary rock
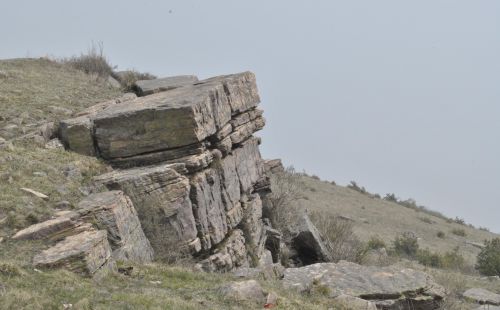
{"x":187,"y":158}
{"x":103,"y":228}
{"x":148,"y":87}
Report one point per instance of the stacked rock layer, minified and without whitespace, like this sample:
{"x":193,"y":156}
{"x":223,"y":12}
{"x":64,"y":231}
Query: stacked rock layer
{"x":188,"y":160}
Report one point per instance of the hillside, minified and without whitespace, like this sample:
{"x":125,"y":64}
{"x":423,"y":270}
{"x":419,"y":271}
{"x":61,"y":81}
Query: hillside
{"x":36,"y":91}
{"x":386,"y":219}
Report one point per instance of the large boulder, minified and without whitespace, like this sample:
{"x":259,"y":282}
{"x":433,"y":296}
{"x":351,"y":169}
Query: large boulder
{"x":308,"y":243}
{"x":148,"y":87}
{"x":388,"y":287}
{"x":482,"y":296}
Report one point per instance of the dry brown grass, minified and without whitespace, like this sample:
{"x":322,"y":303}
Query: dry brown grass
{"x":387,"y":219}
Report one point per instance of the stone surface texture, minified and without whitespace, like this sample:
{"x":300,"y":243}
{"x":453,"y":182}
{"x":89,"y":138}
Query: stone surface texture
{"x":148,"y":87}
{"x":388,"y":287}
{"x":482,"y":296}
{"x":186,"y":155}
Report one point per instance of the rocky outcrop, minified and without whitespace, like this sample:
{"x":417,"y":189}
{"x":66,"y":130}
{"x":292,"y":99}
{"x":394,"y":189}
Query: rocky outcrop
{"x":387,"y":287}
{"x":186,"y":156}
{"x":104,"y":228}
{"x":482,"y":296}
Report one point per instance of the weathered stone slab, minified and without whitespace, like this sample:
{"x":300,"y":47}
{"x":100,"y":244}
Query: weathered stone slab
{"x":245,"y":117}
{"x":385,"y":286}
{"x":161,"y":197}
{"x":248,"y":164}
{"x":482,"y":296}
{"x":308,"y":243}
{"x":114,"y":212}
{"x":46,"y":229}
{"x":208,"y":207}
{"x":228,"y":255}
{"x":86,"y":253}
{"x":241,"y":88}
{"x":95,"y":109}
{"x":253,"y":227}
{"x":179,"y":117}
{"x":76,"y":135}
{"x":148,"y":87}
{"x":243,"y":132}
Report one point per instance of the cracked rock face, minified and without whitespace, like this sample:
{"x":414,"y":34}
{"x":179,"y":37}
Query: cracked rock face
{"x":189,"y":162}
{"x":387,"y":287}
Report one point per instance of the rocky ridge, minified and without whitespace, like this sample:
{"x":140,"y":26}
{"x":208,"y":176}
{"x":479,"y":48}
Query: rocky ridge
{"x":186,"y":160}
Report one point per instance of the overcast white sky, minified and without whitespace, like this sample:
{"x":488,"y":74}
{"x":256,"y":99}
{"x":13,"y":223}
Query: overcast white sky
{"x":400,"y":96}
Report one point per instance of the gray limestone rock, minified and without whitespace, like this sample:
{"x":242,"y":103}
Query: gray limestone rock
{"x":388,"y":287}
{"x":148,"y":87}
{"x":161,"y":196}
{"x":114,"y":212}
{"x":482,"y":296}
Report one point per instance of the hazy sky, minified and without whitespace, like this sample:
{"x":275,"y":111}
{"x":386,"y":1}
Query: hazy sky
{"x":400,"y":96}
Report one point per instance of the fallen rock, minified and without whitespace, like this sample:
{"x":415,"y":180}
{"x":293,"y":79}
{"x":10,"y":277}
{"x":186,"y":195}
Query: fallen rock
{"x":86,"y":253}
{"x":387,"y":287}
{"x":35,"y":193}
{"x":148,"y":87}
{"x":354,"y":303}
{"x":114,"y":212}
{"x":308,"y":243}
{"x":249,"y":290}
{"x":482,"y":296}
{"x":47,"y":229}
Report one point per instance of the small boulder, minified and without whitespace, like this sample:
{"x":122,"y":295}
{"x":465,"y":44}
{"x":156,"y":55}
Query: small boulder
{"x":482,"y":296}
{"x":249,"y":290}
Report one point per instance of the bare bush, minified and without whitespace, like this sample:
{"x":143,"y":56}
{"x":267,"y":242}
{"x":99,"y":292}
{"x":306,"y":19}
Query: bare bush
{"x":92,"y":62}
{"x":127,"y":79}
{"x":339,"y":237}
{"x":286,"y":190}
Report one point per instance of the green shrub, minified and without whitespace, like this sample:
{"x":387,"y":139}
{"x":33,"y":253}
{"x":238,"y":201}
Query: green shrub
{"x":459,"y":232}
{"x":440,"y":234}
{"x":449,"y":260}
{"x":488,"y":260}
{"x":375,"y":242}
{"x":406,"y":245}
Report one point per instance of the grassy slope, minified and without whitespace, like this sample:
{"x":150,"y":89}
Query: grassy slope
{"x":387,"y":219}
{"x":33,"y":91}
